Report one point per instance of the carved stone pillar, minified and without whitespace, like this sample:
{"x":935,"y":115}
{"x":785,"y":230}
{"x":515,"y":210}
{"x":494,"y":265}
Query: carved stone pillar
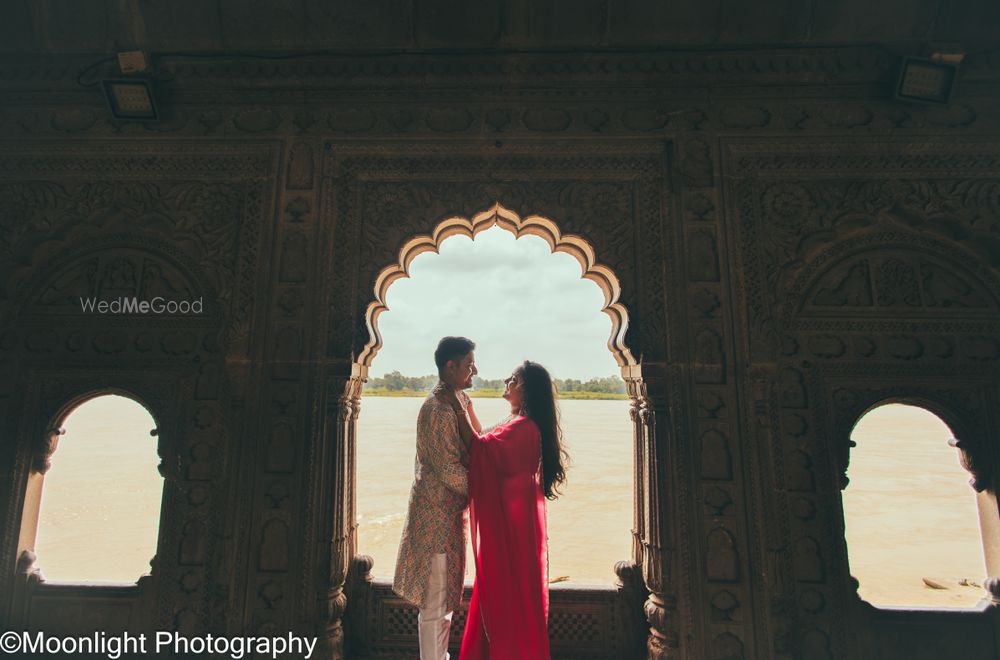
{"x":359,"y":597}
{"x":777,"y":579}
{"x":630,"y":618}
{"x":649,"y":411}
{"x":338,"y":543}
{"x":638,"y":478}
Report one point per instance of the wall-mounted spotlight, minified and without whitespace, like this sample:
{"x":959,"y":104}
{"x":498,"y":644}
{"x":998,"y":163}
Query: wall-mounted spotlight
{"x":926,"y":80}
{"x":131,"y":99}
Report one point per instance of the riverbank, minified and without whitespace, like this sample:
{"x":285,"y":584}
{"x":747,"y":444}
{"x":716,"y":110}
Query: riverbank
{"x":491,"y":394}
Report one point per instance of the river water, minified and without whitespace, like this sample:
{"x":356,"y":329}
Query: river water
{"x":589,"y":525}
{"x":910,"y":512}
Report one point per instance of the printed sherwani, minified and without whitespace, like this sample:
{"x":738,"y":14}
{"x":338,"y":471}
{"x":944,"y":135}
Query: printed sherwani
{"x":436,"y":519}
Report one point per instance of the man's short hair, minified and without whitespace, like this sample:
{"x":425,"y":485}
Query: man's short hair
{"x":452,"y":348}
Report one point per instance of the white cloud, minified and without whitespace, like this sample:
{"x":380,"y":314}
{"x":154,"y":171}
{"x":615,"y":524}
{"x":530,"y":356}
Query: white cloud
{"x":514,"y":298}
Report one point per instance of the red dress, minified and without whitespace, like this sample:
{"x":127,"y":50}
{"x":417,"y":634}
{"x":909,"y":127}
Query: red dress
{"x":508,"y":613}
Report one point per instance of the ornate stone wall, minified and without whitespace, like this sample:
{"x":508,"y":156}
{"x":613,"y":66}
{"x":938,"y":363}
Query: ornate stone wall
{"x":791,"y":248}
{"x":870,"y":276}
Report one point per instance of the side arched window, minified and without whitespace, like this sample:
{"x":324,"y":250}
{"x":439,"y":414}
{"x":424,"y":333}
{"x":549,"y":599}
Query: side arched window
{"x":912,"y":519}
{"x":99,"y":508}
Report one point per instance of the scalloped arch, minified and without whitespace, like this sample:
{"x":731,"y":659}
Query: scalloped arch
{"x":533,"y":225}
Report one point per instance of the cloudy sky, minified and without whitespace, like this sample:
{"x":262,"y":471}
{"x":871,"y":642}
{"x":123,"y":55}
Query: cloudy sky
{"x":514,"y":298}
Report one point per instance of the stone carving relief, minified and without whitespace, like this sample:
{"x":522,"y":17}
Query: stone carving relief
{"x":710,"y":358}
{"x":200,"y":462}
{"x":816,"y":644}
{"x":723,"y":562}
{"x":725,"y":607}
{"x":208,"y":383}
{"x":803,"y":237}
{"x":299,"y":173}
{"x":297,"y":209}
{"x":848,"y":287}
{"x":897,"y":284}
{"x":716,"y":460}
{"x":700,"y":205}
{"x":718,"y":502}
{"x":273,"y":552}
{"x":281,"y":448}
{"x":193,"y":544}
{"x":711,"y":404}
{"x":900,"y":283}
{"x":727,"y":646}
{"x":941,"y":287}
{"x":113,"y":274}
{"x":792,"y":389}
{"x":704,"y":257}
{"x":199,"y":209}
{"x":706,"y":303}
{"x":287,"y":354}
{"x":799,"y":473}
{"x":294,"y":259}
{"x":696,"y":162}
{"x":808,"y":561}
{"x":257,"y":120}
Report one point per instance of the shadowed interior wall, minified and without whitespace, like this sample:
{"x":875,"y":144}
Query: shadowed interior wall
{"x":792,"y":247}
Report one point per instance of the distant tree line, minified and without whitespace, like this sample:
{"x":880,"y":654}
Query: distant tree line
{"x":609,"y":385}
{"x":397,"y":382}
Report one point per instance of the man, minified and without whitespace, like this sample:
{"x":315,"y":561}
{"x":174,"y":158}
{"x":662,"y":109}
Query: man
{"x":430,"y":569}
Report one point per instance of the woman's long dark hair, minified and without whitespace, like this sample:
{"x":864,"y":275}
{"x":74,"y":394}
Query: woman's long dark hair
{"x":540,"y":406}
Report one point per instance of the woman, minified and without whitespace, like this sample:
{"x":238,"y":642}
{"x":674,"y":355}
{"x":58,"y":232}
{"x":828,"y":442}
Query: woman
{"x":512,"y":469}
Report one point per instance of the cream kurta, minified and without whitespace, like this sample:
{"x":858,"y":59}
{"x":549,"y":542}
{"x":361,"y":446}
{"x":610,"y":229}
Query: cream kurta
{"x":436,"y":520}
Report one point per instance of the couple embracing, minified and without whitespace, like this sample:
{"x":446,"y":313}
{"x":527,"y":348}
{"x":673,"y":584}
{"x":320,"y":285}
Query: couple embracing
{"x":502,"y":476}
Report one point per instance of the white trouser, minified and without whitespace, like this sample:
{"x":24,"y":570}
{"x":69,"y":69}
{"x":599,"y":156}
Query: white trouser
{"x":433,"y":621}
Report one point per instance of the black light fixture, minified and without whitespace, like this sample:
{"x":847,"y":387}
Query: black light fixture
{"x":927,"y":80}
{"x":131,"y":99}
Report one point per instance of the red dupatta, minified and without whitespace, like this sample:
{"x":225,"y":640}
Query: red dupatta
{"x":508,"y":613}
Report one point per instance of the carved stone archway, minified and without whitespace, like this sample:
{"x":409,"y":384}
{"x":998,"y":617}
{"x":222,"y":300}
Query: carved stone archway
{"x":623,"y":603}
{"x":608,"y":202}
{"x":601,"y":202}
{"x":533,"y":225}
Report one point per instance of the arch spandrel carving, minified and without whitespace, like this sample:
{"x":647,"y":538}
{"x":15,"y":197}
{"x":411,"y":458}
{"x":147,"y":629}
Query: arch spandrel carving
{"x":201,"y":206}
{"x":532,"y":225}
{"x":114,"y":272}
{"x":897,"y":282}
